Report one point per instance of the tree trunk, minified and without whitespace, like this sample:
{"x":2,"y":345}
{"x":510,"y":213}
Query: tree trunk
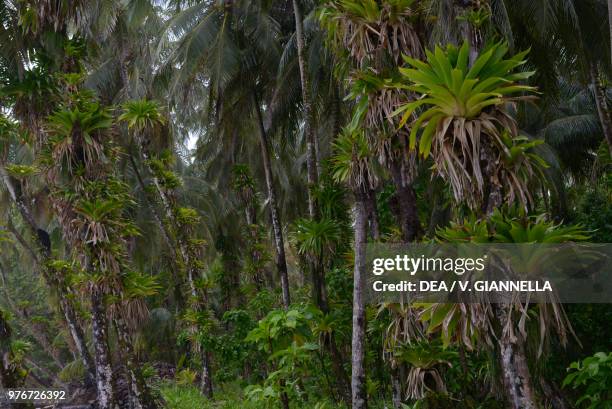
{"x":309,"y":126}
{"x":407,"y":214}
{"x":140,"y":392}
{"x":515,"y":372}
{"x":206,"y":386}
{"x":281,"y":261}
{"x":105,"y":381}
{"x":78,"y":337}
{"x":602,"y":107}
{"x":156,"y":215}
{"x":396,"y":388}
{"x":358,"y":378}
{"x":373,"y":215}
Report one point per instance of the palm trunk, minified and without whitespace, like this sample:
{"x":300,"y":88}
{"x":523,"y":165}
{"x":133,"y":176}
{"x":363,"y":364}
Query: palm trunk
{"x":78,"y":337}
{"x":281,"y":261}
{"x":170,"y":243}
{"x":140,"y":393}
{"x":515,"y":372}
{"x":309,"y":126}
{"x":105,"y":381}
{"x":156,"y":215}
{"x":373,"y":215}
{"x":206,"y":386}
{"x":358,"y":378}
{"x":396,"y":388}
{"x":602,"y":107}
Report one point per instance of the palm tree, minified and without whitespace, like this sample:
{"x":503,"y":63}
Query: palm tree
{"x":89,"y":200}
{"x":352,"y":164}
{"x":309,"y":125}
{"x":476,"y":318}
{"x":212,"y":41}
{"x":371,"y":38}
{"x":42,"y":248}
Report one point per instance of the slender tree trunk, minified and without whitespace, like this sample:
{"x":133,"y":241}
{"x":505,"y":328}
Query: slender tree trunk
{"x":78,"y":337}
{"x":206,"y":385}
{"x":358,"y":378}
{"x":170,"y":243}
{"x":140,"y":393}
{"x":515,"y":372}
{"x":105,"y":381}
{"x":281,"y":261}
{"x":309,"y":126}
{"x":156,"y":215}
{"x":312,"y":142}
{"x":373,"y":215}
{"x":396,"y":388}
{"x":602,"y":107}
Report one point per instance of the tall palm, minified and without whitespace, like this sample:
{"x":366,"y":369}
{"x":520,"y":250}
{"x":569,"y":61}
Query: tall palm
{"x":231,"y":46}
{"x":370,"y":39}
{"x":309,"y":125}
{"x":20,"y":96}
{"x":352,"y":163}
{"x":89,"y":201}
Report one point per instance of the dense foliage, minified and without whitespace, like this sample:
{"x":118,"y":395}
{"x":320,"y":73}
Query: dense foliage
{"x":187,"y":190}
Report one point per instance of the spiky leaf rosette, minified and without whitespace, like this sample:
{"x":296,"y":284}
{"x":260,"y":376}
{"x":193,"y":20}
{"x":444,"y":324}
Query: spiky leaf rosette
{"x":371,"y":31}
{"x":464,"y":122}
{"x":352,"y":162}
{"x":465,"y":323}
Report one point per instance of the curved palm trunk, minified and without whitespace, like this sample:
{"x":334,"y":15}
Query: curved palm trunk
{"x":358,"y":377}
{"x":281,"y":261}
{"x":186,"y":259}
{"x":309,"y":126}
{"x":41,"y":257}
{"x":170,"y":243}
